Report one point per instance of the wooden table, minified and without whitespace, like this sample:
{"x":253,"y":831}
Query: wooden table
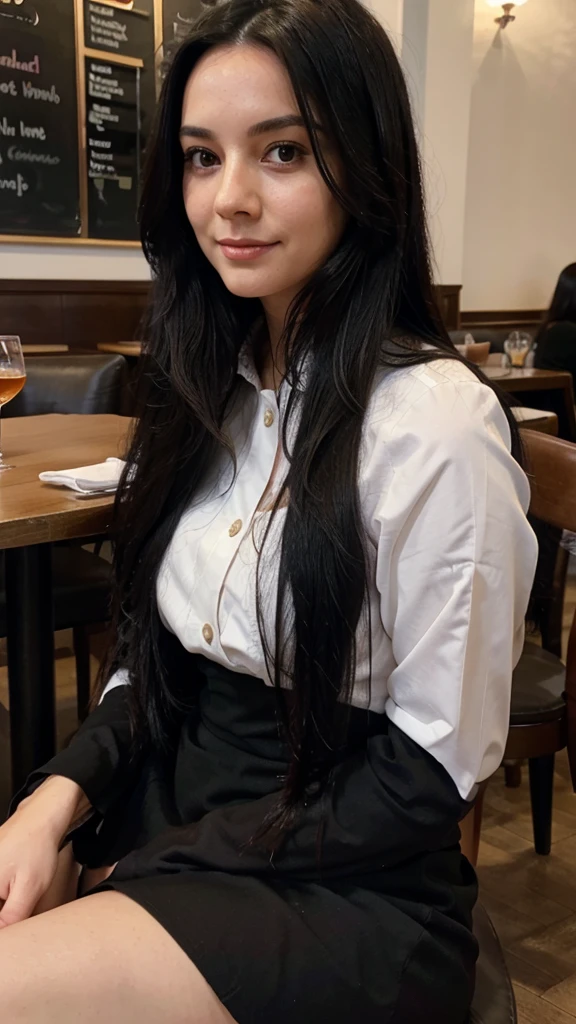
{"x":44,"y":350}
{"x":32,"y":515}
{"x":551,"y":390}
{"x":131,"y":349}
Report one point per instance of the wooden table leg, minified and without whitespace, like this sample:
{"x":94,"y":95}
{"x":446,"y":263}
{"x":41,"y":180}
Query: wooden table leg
{"x":30,"y":636}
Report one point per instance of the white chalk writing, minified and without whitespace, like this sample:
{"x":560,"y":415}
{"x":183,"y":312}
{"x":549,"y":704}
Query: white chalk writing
{"x":31,"y":92}
{"x":103,"y":88}
{"x":19,"y":185}
{"x":6,"y":128}
{"x":25,"y":156}
{"x":28,"y":131}
{"x":98,"y":114}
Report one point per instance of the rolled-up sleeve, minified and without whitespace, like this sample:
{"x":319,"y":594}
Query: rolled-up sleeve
{"x":455,"y":560}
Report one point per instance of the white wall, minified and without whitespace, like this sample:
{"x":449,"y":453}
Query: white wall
{"x":390,"y":14}
{"x":71,"y":262}
{"x":520,"y":221}
{"x":434,"y":38}
{"x":437,"y":55}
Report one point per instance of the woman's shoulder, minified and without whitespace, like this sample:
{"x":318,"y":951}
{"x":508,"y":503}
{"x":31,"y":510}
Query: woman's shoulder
{"x":440,"y":399}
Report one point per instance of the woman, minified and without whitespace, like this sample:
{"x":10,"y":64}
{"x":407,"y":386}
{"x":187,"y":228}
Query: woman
{"x":323,"y":564}
{"x":556,"y":339}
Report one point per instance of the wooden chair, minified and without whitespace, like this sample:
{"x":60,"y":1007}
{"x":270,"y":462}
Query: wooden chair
{"x":543,"y":712}
{"x":536,"y":419}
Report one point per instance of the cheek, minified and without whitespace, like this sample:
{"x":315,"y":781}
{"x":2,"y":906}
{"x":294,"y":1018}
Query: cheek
{"x":314,"y":219}
{"x":197,"y":203}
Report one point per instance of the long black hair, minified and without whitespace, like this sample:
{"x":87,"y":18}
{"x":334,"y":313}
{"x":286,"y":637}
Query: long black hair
{"x":563,"y":305}
{"x":371,"y":304}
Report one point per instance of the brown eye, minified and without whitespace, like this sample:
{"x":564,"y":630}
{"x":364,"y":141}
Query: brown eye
{"x":287,"y":153}
{"x":201,"y":159}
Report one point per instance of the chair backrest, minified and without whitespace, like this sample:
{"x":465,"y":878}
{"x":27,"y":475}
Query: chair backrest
{"x":552,"y":474}
{"x":70,"y":384}
{"x":480,"y":334}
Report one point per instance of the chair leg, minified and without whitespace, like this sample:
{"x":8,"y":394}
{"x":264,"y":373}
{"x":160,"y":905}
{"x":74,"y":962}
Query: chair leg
{"x":541,"y":771}
{"x":82,"y":655}
{"x":513,"y":774}
{"x":470,"y":828}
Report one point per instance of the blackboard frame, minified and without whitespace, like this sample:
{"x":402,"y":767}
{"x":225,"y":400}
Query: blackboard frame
{"x":81,"y":52}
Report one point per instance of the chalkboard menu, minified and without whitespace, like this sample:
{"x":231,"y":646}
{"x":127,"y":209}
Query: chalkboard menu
{"x":39,"y":177}
{"x":87,"y":63}
{"x":113,"y":144}
{"x":113,"y":30}
{"x":178,"y":16}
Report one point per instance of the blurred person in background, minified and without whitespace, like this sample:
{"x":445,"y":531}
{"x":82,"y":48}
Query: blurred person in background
{"x":556,"y":339}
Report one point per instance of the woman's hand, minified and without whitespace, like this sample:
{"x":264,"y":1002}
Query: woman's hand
{"x":29,"y":844}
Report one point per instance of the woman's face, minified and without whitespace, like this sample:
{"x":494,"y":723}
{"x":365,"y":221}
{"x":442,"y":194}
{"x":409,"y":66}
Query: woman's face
{"x":253,"y":193}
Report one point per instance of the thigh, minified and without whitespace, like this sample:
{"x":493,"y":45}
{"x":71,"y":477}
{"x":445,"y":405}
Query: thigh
{"x":102,"y":958}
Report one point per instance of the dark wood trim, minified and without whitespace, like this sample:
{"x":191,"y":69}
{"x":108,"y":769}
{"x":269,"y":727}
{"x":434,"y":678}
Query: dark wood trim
{"x":15,"y":287}
{"x":448,"y":298}
{"x":501,"y":318}
{"x":79,"y":314}
{"x":82,"y":313}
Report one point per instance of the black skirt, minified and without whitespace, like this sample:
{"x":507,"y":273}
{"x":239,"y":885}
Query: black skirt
{"x":364,"y":912}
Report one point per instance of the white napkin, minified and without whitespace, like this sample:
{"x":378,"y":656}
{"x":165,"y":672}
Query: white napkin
{"x":104,"y":476}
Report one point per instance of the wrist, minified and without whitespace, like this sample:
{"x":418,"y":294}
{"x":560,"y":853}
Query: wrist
{"x":56,"y":805}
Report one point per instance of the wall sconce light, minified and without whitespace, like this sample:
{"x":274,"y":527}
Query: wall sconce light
{"x":507,"y":17}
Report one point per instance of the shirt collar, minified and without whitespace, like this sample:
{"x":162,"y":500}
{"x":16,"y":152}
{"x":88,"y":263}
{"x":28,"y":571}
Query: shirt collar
{"x":246,"y":365}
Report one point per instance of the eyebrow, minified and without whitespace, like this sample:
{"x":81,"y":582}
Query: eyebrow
{"x":273,"y":124}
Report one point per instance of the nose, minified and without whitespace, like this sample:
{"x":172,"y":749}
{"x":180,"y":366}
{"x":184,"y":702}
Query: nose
{"x":237,"y":190}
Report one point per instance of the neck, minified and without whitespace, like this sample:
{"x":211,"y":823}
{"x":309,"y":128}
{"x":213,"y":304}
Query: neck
{"x":270,"y":354}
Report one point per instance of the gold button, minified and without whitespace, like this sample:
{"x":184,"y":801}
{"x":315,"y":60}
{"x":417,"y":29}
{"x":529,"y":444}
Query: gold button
{"x":268,"y":418}
{"x":235,"y":528}
{"x":207,"y":632}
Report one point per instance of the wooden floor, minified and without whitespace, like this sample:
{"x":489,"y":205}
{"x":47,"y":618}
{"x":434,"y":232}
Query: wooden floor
{"x":531,"y":899}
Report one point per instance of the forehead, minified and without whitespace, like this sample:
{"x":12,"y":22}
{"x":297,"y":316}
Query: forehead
{"x":237,"y":85}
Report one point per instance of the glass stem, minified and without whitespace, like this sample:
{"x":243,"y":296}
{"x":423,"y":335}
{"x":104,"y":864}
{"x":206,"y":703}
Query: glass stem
{"x":1,"y":456}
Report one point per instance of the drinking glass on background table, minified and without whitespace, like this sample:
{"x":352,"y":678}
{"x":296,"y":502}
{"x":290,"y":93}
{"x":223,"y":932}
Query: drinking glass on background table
{"x":517,"y":347}
{"x":12,"y":375}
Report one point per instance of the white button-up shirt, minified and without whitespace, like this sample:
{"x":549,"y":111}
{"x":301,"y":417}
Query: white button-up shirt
{"x":451,"y":558}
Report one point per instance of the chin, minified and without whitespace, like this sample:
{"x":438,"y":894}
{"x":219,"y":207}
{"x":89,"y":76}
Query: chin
{"x":251,"y":286}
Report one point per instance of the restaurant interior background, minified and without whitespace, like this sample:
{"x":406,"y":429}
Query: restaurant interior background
{"x":495,"y":112}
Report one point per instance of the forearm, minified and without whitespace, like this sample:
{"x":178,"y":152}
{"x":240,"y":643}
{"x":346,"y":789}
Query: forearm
{"x":58,"y":803}
{"x":95,"y":761}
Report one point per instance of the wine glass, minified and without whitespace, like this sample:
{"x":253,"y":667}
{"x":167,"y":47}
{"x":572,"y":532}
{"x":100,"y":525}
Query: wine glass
{"x":12,"y":375}
{"x":517,"y":347}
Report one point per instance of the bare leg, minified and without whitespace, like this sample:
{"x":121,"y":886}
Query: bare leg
{"x":101,"y":959}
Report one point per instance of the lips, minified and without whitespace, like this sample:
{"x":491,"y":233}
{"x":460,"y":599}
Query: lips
{"x":244,"y":243}
{"x":244,"y":248}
